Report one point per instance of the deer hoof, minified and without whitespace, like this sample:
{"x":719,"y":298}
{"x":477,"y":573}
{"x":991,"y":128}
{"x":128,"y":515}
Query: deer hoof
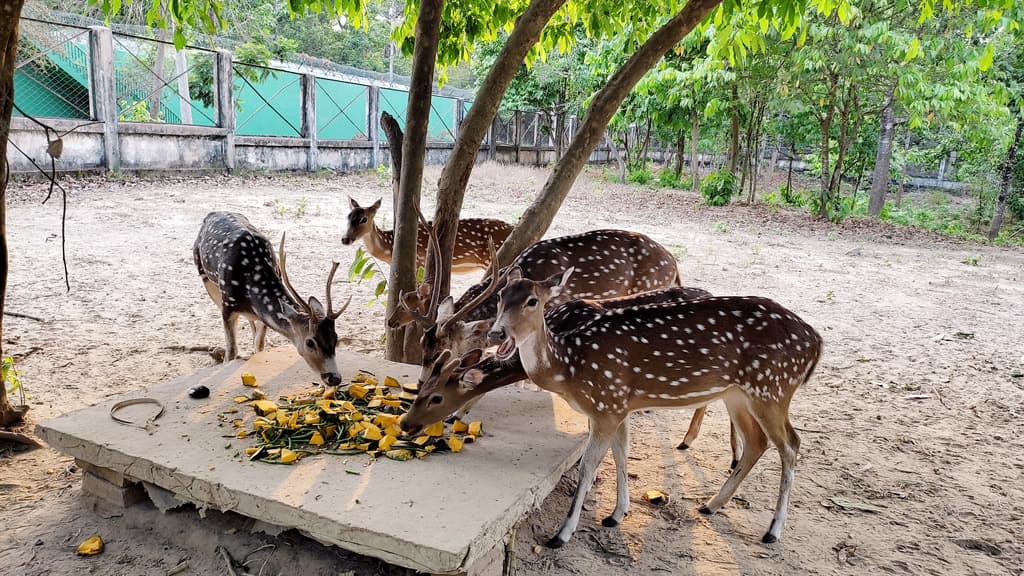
{"x":555,"y":542}
{"x":682,"y":446}
{"x":769,"y":538}
{"x":705,"y":510}
{"x":609,"y":522}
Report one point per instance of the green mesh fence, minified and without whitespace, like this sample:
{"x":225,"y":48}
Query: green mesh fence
{"x":51,"y":72}
{"x":341,"y":110}
{"x":268,"y":101}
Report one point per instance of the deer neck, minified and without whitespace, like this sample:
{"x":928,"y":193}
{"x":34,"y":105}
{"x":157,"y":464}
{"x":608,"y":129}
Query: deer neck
{"x":537,"y":352}
{"x":267,"y":307}
{"x":379,"y":243}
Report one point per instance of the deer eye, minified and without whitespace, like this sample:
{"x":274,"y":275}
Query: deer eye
{"x":310,"y":343}
{"x":531,"y":301}
{"x":436,"y":399}
{"x":362,"y":220}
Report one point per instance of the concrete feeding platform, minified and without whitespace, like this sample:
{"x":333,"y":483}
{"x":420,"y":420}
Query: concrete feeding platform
{"x":444,"y":514}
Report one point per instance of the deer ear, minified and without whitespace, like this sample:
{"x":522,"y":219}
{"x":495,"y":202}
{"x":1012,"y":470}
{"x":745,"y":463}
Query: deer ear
{"x":556,"y":282}
{"x":445,"y":309}
{"x":471,"y":379}
{"x":471,"y":358}
{"x":376,"y":205}
{"x":424,"y":290}
{"x":317,"y":307}
{"x":352,"y":203}
{"x":478,"y":328}
{"x":514,"y":274}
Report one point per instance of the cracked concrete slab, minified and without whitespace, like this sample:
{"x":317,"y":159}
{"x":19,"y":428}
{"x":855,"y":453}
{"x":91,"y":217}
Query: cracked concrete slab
{"x":437,"y":515}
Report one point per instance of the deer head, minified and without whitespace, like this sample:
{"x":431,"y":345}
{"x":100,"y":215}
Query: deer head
{"x":311,"y":326}
{"x":360,"y":221}
{"x":521,"y":309}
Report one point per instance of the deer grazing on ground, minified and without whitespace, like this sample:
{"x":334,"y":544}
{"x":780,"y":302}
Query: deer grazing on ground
{"x":750,"y":352}
{"x":236,"y":263}
{"x":608,"y":263}
{"x":470,"y":253}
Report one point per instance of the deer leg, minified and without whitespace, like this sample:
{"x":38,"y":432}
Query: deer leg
{"x":620,"y":452}
{"x":597,"y":447}
{"x":694,"y":429}
{"x":775,"y":424}
{"x":734,"y":443}
{"x":230,"y":324}
{"x":754,"y":445}
{"x":260,"y":336}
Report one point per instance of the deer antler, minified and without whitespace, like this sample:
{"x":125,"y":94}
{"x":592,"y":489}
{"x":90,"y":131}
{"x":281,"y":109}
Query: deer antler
{"x":492,"y":271}
{"x":433,"y":246}
{"x":288,"y":285}
{"x":330,"y":308}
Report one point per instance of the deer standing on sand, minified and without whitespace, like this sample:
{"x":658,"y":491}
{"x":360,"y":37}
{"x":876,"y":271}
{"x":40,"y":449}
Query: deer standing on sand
{"x":608,"y":263}
{"x":471,"y":239}
{"x":236,"y":263}
{"x":750,"y":352}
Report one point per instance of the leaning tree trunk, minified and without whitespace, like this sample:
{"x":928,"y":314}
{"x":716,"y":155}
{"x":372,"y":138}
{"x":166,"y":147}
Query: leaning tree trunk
{"x":1004,"y":185}
{"x":539,"y":215}
{"x":451,"y":188}
{"x":10,"y":13}
{"x":883,"y":158}
{"x":393,"y":132}
{"x":401,"y":342}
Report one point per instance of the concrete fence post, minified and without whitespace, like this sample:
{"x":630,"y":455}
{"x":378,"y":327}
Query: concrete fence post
{"x":309,"y":121}
{"x":225,"y":104}
{"x":104,"y":92}
{"x":519,"y":133}
{"x":373,"y":124}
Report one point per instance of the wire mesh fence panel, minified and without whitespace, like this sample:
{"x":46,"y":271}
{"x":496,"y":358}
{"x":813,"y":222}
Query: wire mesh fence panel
{"x":268,"y":101}
{"x":156,"y":83}
{"x":505,"y":128}
{"x":341,"y":110}
{"x":393,"y":102}
{"x":441,"y":126}
{"x":528,"y":129}
{"x":51,"y":72}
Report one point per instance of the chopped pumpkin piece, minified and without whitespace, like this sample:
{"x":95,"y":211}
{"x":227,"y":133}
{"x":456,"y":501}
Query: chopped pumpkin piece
{"x":421,"y":440}
{"x":248,"y":379}
{"x":264,"y":407}
{"x":375,"y":403}
{"x":475,"y":429}
{"x":242,"y":434}
{"x":386,"y":442}
{"x":288,"y":456}
{"x":91,"y":546}
{"x":357,"y":391}
{"x":391,"y":382}
{"x":469,"y":439}
{"x":402,"y":455}
{"x":455,"y":444}
{"x":411,"y":387}
{"x":656,"y":497}
{"x":459,"y":427}
{"x":436,"y":429}
{"x":258,"y":394}
{"x":407,"y":396}
{"x":252,"y":450}
{"x":311,"y":419}
{"x":371,"y":432}
{"x":370,"y":382}
{"x":317,"y":439}
{"x":293,"y":420}
{"x":241,"y":399}
{"x":393,"y":429}
{"x":348,"y":406}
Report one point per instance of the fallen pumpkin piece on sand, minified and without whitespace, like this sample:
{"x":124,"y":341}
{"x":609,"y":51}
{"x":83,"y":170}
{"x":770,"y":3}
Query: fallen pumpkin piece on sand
{"x":90,"y":547}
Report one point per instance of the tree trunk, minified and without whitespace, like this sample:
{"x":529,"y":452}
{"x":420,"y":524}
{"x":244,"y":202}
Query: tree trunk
{"x":775,"y":157}
{"x":789,"y":170}
{"x":694,"y":153}
{"x":903,"y":172}
{"x":393,"y":132}
{"x":614,"y":151}
{"x":845,"y":136}
{"x":538,"y":216}
{"x":559,"y":134}
{"x":680,"y":152}
{"x":883,"y":158}
{"x":645,"y":149}
{"x":1004,"y":185}
{"x":451,"y":188}
{"x":734,"y":130}
{"x":403,"y":259}
{"x":10,"y":13}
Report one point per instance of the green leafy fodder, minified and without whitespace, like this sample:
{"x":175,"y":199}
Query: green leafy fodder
{"x":717,"y":188}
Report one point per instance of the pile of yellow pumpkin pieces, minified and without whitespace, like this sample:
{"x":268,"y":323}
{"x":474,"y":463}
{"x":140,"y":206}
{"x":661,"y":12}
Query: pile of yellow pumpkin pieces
{"x":364,"y":418}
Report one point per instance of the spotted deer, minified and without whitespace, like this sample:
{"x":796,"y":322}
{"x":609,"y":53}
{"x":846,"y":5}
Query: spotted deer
{"x":237,"y":266}
{"x":609,"y":263}
{"x":455,"y":381}
{"x":749,"y":352}
{"x":470,"y":253}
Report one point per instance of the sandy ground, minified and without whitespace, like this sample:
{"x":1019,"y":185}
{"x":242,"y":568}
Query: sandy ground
{"x":916,"y":411}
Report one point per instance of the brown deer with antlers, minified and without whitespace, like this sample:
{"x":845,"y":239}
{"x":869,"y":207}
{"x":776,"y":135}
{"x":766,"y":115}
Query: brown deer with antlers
{"x":471,"y":240}
{"x":749,"y":352}
{"x":608,"y":263}
{"x":236,"y":263}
